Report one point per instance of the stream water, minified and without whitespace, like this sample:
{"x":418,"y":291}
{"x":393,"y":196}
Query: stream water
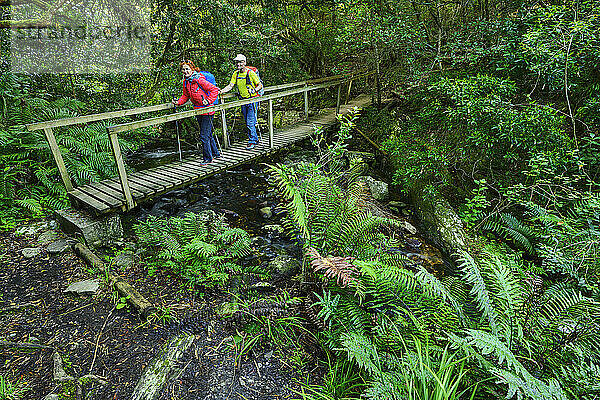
{"x":240,"y":193}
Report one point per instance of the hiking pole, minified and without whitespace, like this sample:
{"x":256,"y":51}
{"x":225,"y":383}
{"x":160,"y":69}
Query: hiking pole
{"x":177,"y":130}
{"x":215,"y":136}
{"x":255,"y":106}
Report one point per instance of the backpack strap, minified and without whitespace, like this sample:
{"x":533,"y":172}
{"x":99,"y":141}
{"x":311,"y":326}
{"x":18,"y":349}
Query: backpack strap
{"x":248,"y":80}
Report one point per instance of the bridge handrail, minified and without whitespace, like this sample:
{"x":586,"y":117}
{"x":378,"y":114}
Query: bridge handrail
{"x":158,"y":107}
{"x":223,"y":106}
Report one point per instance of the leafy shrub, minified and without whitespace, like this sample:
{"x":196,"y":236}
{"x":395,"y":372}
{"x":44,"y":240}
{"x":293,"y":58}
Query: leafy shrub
{"x":471,"y":128}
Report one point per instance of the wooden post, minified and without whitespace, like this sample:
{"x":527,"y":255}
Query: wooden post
{"x":116,"y":149}
{"x":224,"y":125}
{"x":271,"y":128}
{"x":337,"y":104}
{"x":349,"y":89}
{"x":377,"y":81}
{"x":306,"y":104}
{"x":60,"y":163}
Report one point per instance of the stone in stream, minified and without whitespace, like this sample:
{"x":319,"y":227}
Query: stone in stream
{"x":273,"y":228}
{"x":266,"y":213}
{"x":86,"y":287}
{"x":379,"y":189}
{"x":408,"y":227}
{"x":285,"y":265}
{"x":30,"y":252}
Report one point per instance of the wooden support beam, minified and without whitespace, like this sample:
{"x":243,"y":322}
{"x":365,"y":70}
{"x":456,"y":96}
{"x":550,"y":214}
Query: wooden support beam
{"x":116,"y":150}
{"x":271,"y":128}
{"x":337,"y":104}
{"x":306,"y":105}
{"x":349,"y":90}
{"x":60,"y":163}
{"x":224,"y":127}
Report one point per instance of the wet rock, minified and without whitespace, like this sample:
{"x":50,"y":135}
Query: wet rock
{"x":261,"y":287}
{"x":409,"y":228}
{"x":124,"y":259}
{"x":230,"y":214}
{"x":48,"y":237}
{"x":285,"y":265}
{"x":86,"y":287}
{"x":30,"y":252}
{"x":259,"y":241}
{"x":398,"y":204}
{"x":274,"y":228}
{"x":178,"y":193}
{"x":379,"y":190}
{"x":164,"y":207}
{"x":59,"y":246}
{"x":266,"y":212}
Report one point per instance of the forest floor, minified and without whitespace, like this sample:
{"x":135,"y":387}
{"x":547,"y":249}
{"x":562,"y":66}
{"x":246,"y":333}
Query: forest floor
{"x":93,"y":336}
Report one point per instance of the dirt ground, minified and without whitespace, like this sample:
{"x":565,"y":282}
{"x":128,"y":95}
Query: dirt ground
{"x":94,"y":337}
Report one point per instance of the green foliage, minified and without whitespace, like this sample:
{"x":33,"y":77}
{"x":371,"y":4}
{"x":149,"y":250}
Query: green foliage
{"x":328,"y":208}
{"x":14,"y":390}
{"x":461,"y":120}
{"x":30,"y":184}
{"x":341,"y":382}
{"x":518,"y":322}
{"x":199,"y":247}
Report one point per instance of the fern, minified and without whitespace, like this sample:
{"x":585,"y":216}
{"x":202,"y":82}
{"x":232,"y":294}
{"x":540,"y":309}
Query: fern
{"x":198,"y":246}
{"x":474,"y":275}
{"x":509,"y":227}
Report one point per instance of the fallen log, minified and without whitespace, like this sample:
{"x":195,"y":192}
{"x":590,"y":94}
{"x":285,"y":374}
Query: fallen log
{"x":127,"y":291}
{"x":162,"y":369}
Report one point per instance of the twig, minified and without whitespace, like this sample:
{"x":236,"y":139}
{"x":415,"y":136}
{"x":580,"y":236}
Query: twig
{"x":98,"y":339}
{"x":16,"y":307}
{"x":75,"y":309}
{"x":4,"y":344}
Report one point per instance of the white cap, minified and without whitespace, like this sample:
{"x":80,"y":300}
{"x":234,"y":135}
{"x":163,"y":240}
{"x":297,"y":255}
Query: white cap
{"x":240,"y":57}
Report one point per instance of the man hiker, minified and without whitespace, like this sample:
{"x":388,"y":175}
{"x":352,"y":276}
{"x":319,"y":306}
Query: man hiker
{"x":248,"y":85}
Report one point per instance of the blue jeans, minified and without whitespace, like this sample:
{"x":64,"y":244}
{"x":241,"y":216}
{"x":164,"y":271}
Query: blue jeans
{"x":249,"y":113}
{"x":209,"y":146}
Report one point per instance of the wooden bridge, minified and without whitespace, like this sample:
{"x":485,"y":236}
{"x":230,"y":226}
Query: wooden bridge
{"x":124,"y":192}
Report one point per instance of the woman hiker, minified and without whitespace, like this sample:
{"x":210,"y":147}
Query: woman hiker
{"x":247,"y":88}
{"x":202,"y":93}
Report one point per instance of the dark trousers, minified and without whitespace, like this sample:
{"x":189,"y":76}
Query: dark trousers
{"x":249,"y":113}
{"x":209,"y":146}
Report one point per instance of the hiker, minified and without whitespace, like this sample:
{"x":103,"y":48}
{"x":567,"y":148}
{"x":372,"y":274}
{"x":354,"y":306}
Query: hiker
{"x":202,"y":93}
{"x":248,"y":85}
